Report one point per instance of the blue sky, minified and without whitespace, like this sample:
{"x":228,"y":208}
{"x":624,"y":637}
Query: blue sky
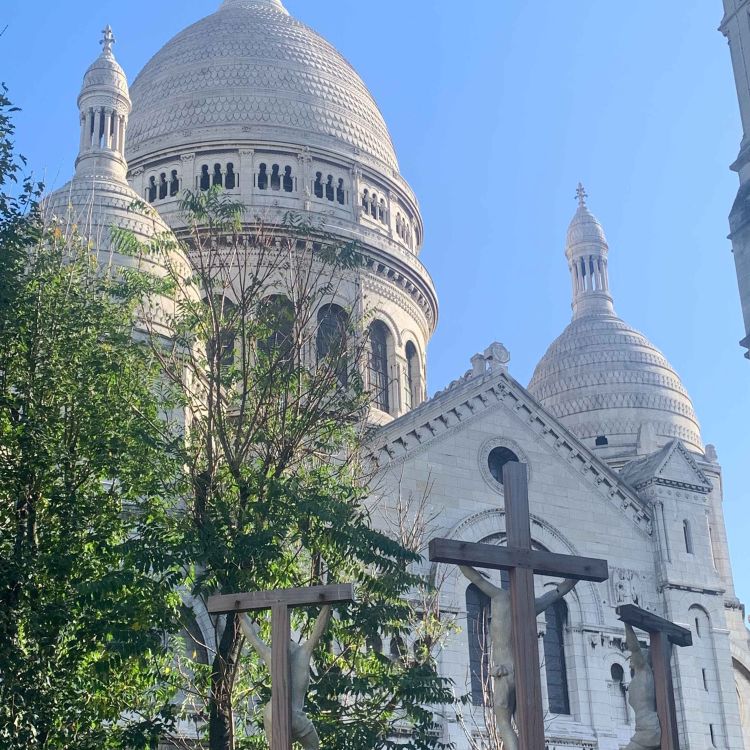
{"x":497,"y":109}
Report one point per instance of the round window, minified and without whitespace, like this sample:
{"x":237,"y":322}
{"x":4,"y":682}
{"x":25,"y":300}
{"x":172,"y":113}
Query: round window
{"x":497,"y":459}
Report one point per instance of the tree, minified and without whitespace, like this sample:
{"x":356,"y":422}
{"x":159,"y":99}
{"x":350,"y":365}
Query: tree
{"x":87,"y":590}
{"x":269,"y":358}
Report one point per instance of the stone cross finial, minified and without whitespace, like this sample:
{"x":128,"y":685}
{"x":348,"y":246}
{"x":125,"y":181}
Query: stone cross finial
{"x":581,"y":194}
{"x":107,"y":40}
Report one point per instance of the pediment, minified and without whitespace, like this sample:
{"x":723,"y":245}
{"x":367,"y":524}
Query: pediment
{"x":474,"y":398}
{"x":672,"y":466}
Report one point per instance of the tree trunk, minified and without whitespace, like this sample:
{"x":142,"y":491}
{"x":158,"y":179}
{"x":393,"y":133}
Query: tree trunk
{"x":221,"y":715}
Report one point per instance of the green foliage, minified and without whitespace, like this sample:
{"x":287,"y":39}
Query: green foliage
{"x":87,"y":588}
{"x":277,"y":490}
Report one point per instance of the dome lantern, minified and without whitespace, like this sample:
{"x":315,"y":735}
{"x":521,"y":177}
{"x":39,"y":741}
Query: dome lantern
{"x":104,"y":105}
{"x":586,"y":250}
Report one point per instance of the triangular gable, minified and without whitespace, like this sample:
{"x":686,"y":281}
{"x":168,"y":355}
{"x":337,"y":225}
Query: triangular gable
{"x":470,"y":397}
{"x":672,"y":466}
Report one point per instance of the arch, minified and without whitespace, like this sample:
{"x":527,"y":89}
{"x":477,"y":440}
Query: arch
{"x":151,"y":190}
{"x":263,"y":177}
{"x":318,"y":185}
{"x":617,"y":690}
{"x":224,"y":344}
{"x":217,"y":178}
{"x":496,"y":460}
{"x":204,"y":180}
{"x":340,"y":192}
{"x":277,"y":314}
{"x":331,"y":339}
{"x":275,"y":177}
{"x":174,"y":184}
{"x":163,"y":186}
{"x":555,"y":668}
{"x":378,"y":365}
{"x":330,"y":190}
{"x":230,"y":181}
{"x":288,"y":180}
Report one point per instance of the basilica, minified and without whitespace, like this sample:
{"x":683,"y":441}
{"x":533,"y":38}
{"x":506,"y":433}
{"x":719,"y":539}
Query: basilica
{"x":256,"y":102}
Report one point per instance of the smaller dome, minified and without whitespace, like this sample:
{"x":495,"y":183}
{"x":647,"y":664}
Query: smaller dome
{"x":105,"y":73}
{"x":584,"y":229}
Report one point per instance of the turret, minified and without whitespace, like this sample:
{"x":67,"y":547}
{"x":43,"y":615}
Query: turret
{"x":104,"y":105}
{"x":586,"y":250}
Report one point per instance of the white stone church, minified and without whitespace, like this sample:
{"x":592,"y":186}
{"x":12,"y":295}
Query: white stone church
{"x":255,"y":101}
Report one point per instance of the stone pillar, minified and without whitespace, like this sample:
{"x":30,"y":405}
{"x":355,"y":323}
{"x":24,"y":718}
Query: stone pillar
{"x":246,"y":181}
{"x":107,"y":139}
{"x":97,"y":128}
{"x":187,"y":176}
{"x":356,"y":173}
{"x":304,"y":161}
{"x":116,"y":132}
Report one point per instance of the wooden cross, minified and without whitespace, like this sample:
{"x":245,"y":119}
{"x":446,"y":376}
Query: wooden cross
{"x":521,"y":562}
{"x":280,"y":601}
{"x":663,"y":634}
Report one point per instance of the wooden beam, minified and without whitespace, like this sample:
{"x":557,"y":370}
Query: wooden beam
{"x":661,"y":661}
{"x":456,"y":552}
{"x":529,"y":715}
{"x":281,"y":689}
{"x":651,"y":623}
{"x":222,"y":604}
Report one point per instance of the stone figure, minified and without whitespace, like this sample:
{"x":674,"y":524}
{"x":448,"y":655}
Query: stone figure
{"x":300,"y":656}
{"x":502,"y":668}
{"x":642,"y":696}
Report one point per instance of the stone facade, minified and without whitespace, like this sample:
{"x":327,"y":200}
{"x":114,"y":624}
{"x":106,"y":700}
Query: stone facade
{"x":736,"y":29}
{"x":252,"y":100}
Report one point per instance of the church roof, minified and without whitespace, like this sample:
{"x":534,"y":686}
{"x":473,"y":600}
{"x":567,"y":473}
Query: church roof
{"x":250,"y":70}
{"x":602,"y":378}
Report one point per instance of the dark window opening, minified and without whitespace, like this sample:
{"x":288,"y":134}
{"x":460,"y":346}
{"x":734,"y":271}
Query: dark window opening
{"x":275,"y":178}
{"x":602,"y":440}
{"x":340,"y":194}
{"x":331,"y":339}
{"x":554,"y":658}
{"x":230,"y":182}
{"x":412,"y":375}
{"x":163,"y":186}
{"x":151,"y":190}
{"x":288,"y":181}
{"x":263,"y":178}
{"x":329,"y":188}
{"x":277,"y":313}
{"x":217,"y":178}
{"x":318,"y":186}
{"x":174,"y":184}
{"x":205,"y":179}
{"x":497,"y":459}
{"x":381,"y":211}
{"x":378,"y":366}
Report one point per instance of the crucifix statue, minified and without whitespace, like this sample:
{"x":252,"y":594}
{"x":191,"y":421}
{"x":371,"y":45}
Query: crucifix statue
{"x":651,"y":694}
{"x":515,"y":670}
{"x":288,"y":662}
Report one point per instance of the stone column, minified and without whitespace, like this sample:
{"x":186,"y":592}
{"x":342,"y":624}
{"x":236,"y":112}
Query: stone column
{"x":246,"y":180}
{"x":107,"y":141}
{"x":356,"y":173}
{"x":187,"y":175}
{"x":97,"y":128}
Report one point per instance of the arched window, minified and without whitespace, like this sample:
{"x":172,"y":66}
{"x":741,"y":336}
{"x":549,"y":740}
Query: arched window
{"x":231,"y":179}
{"x":263,"y":177}
{"x":378,"y":366}
{"x":277,"y":314}
{"x":329,"y":188}
{"x":497,"y":459}
{"x":151,"y":190}
{"x":340,"y":193}
{"x":163,"y":186}
{"x":318,"y":186}
{"x":288,"y":181}
{"x":412,"y":375}
{"x":618,"y":695}
{"x":381,"y":211}
{"x":174,"y":184}
{"x":275,"y":178}
{"x":331,"y":339}
{"x":374,"y":206}
{"x":366,"y":200}
{"x":688,"y":536}
{"x":204,"y":181}
{"x":477,"y":629}
{"x":218,"y":177}
{"x":556,"y":618}
{"x":224,"y":317}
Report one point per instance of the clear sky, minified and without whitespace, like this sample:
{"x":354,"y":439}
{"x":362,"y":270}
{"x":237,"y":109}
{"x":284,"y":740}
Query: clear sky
{"x":497,"y":109}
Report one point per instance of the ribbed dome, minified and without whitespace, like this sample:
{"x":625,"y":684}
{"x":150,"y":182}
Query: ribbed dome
{"x":601,"y":377}
{"x":251,"y":71}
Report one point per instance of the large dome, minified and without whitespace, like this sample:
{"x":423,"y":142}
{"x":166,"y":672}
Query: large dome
{"x":250,"y":70}
{"x":605,"y":381}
